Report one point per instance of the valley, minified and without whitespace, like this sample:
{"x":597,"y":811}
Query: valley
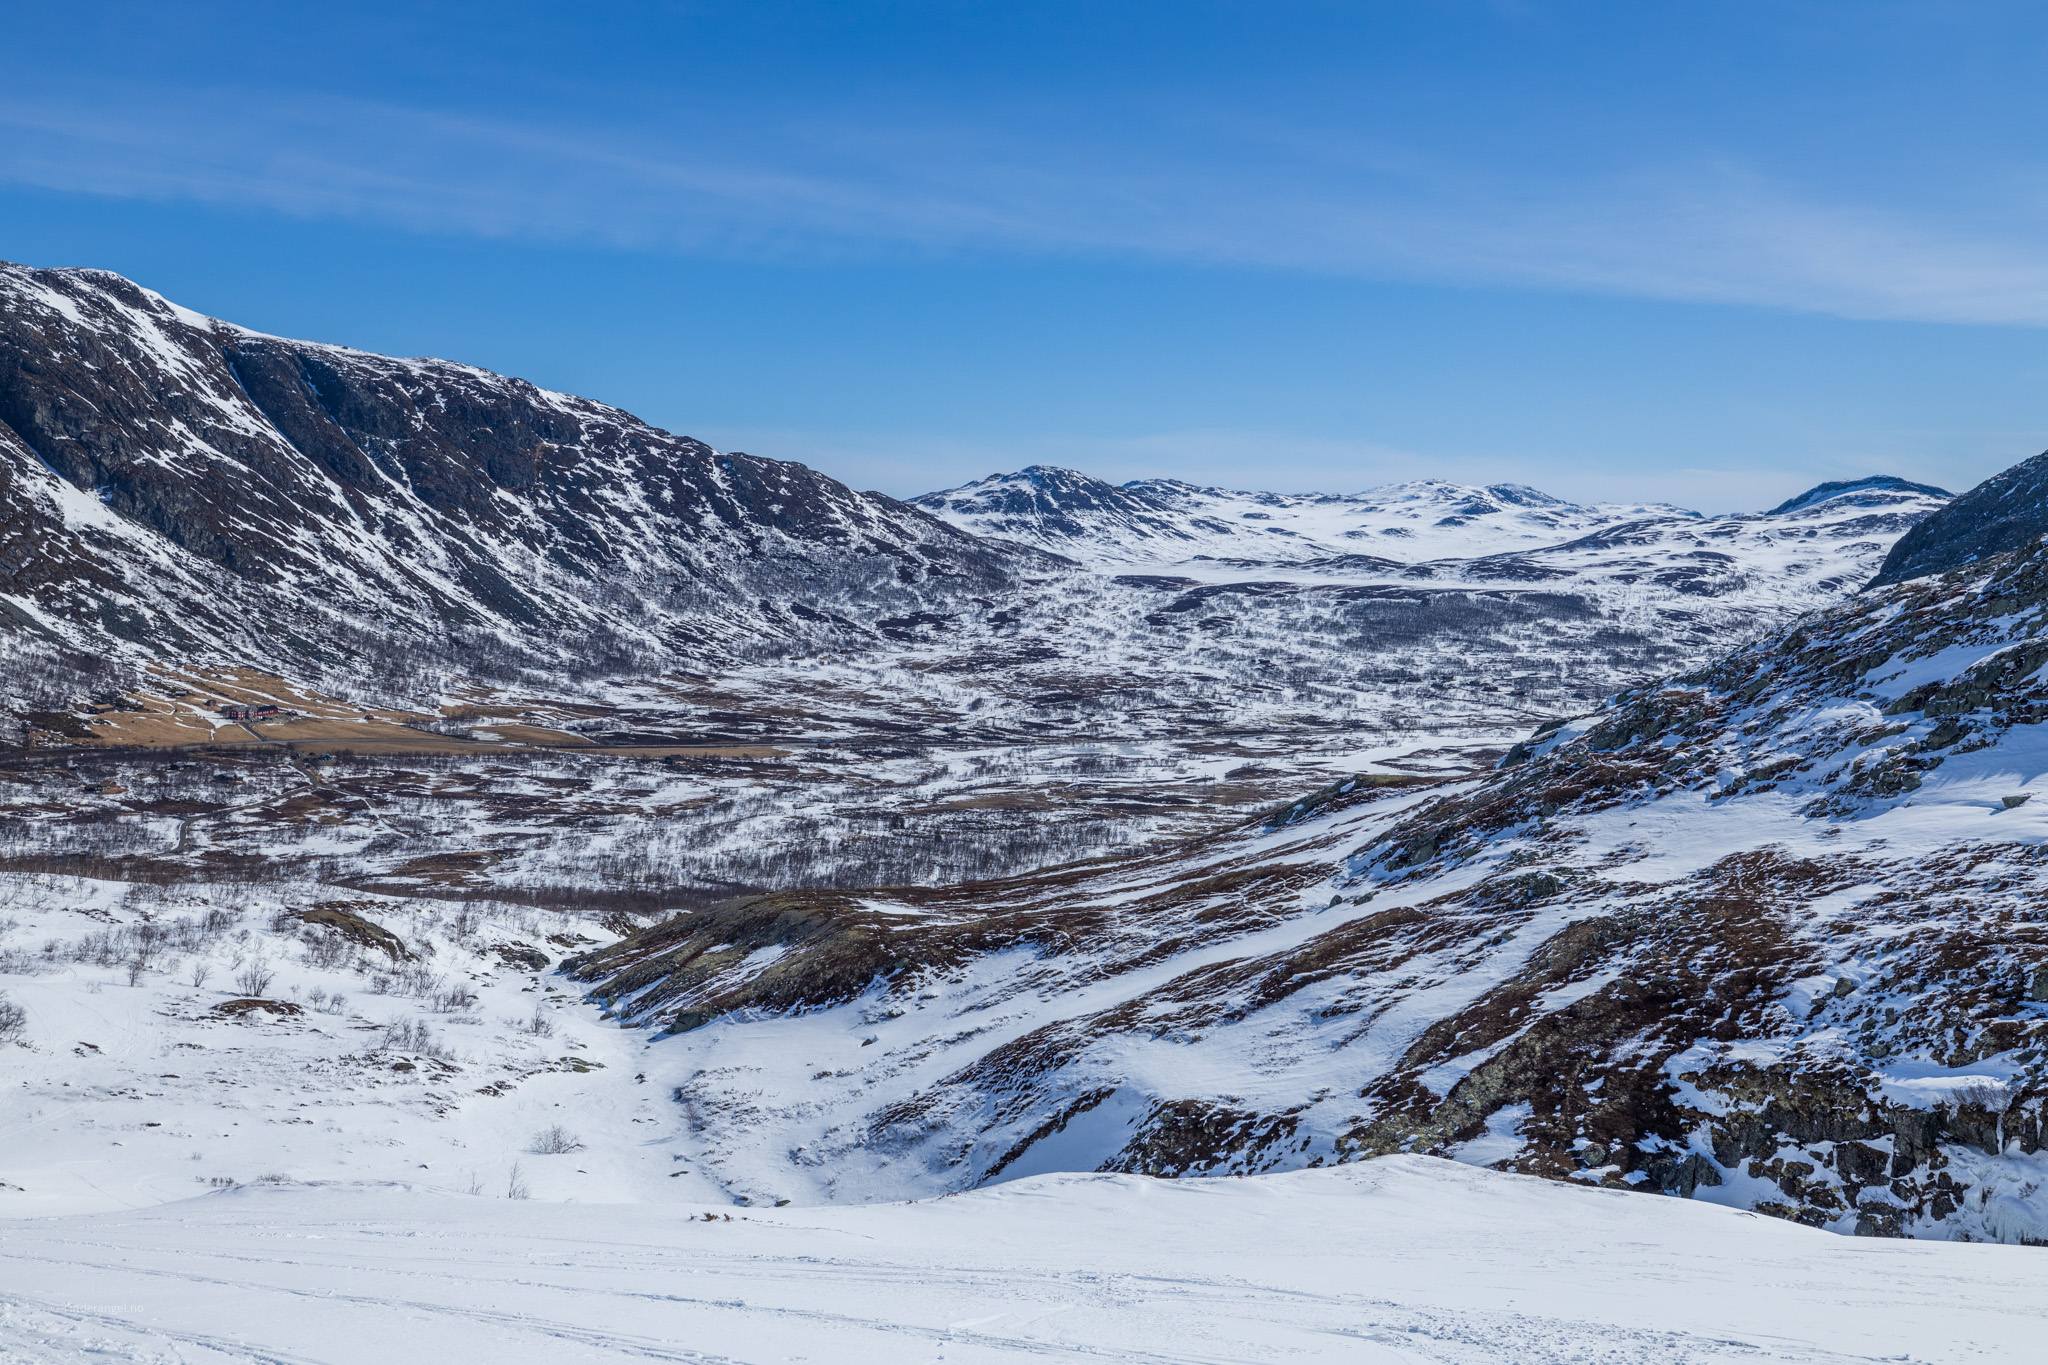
{"x":527,"y":805}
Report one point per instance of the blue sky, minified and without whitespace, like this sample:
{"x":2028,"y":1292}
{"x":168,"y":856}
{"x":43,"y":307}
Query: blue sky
{"x":1709,"y":253}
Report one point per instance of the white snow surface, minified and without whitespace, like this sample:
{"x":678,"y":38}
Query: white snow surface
{"x":1698,"y":582}
{"x":1167,"y":522}
{"x":1402,"y":1259}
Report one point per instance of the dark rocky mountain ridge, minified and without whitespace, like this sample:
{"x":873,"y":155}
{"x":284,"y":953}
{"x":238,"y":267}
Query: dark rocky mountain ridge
{"x":2006,"y":511}
{"x":174,"y":481}
{"x":1880,"y":483}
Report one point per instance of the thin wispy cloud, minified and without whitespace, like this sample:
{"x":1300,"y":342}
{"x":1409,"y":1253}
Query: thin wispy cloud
{"x":739,"y":180}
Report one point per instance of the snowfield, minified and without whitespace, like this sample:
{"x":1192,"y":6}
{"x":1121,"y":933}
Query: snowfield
{"x":1167,"y":520}
{"x":1402,"y":1259}
{"x":439,"y":1064}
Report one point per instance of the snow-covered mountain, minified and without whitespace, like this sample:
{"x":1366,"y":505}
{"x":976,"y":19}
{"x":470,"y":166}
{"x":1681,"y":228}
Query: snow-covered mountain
{"x":175,"y":484}
{"x":1808,"y":552}
{"x":180,"y":493}
{"x":1705,"y":578}
{"x":1165,"y":521}
{"x":1501,"y":576}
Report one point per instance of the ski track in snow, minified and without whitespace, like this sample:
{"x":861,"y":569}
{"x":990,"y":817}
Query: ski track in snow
{"x":1405,"y":1259}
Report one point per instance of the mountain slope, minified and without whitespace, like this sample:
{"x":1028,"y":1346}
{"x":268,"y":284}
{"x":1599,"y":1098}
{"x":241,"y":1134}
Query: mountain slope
{"x":1809,"y":554}
{"x":2004,"y":512}
{"x":178,"y":482}
{"x":1568,"y":600}
{"x":1881,"y":483}
{"x":414,"y":533}
{"x":1767,"y":934}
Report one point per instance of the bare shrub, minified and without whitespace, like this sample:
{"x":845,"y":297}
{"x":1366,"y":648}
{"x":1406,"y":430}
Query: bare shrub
{"x":1991,"y":1097}
{"x":413,"y":1035}
{"x":540,"y":1026}
{"x":419,"y":982}
{"x":452,"y":1000}
{"x":13,"y":1021}
{"x":150,"y":941}
{"x":327,"y":950}
{"x":201,"y":970}
{"x":515,"y":1185}
{"x":255,"y":978}
{"x":555,"y":1141}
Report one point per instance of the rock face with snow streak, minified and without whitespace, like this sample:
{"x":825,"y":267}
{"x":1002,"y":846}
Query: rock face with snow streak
{"x":171,"y":479}
{"x":1878,"y":484}
{"x":1769,"y":934}
{"x":2003,"y":513}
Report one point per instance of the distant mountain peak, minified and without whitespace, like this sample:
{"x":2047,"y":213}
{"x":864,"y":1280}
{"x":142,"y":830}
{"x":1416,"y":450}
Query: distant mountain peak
{"x":1171,"y":520}
{"x":1522,"y":495}
{"x":1876,"y":483}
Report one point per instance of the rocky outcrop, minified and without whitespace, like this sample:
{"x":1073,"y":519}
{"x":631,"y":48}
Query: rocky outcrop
{"x":1879,"y":484}
{"x":2005,"y":512}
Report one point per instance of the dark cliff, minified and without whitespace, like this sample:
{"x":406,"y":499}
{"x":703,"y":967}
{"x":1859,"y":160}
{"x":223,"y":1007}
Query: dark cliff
{"x":2002,"y":513}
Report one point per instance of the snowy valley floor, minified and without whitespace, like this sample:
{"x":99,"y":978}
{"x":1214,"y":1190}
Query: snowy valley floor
{"x":1402,"y":1259}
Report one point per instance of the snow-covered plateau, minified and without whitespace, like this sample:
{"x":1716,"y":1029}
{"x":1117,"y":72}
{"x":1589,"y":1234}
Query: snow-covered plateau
{"x":481,"y":875}
{"x":1405,"y":529}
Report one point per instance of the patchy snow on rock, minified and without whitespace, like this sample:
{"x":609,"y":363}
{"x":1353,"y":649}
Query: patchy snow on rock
{"x":1758,"y":935}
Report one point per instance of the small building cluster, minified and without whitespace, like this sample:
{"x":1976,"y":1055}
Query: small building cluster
{"x":239,"y":712}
